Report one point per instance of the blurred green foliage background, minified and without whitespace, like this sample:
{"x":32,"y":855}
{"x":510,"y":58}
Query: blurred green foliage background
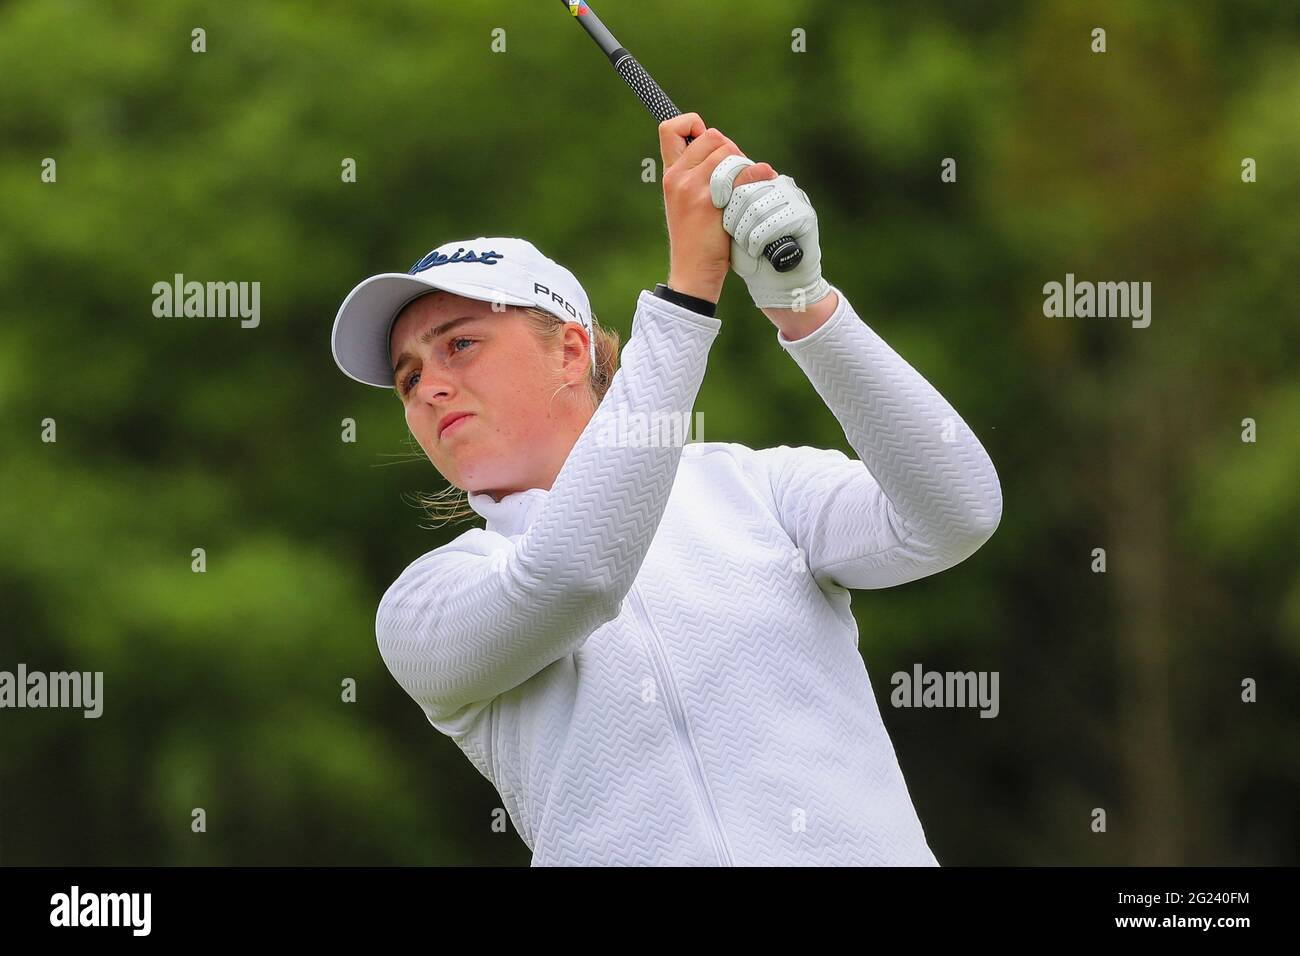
{"x":222,"y":690}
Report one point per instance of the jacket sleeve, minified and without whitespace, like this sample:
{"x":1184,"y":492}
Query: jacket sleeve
{"x":924,"y":495}
{"x":460,"y":627}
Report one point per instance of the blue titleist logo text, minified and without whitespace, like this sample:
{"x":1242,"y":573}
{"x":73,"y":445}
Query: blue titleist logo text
{"x":436,"y":258}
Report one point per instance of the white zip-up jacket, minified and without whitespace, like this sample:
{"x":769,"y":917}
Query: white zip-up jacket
{"x":654,"y":661}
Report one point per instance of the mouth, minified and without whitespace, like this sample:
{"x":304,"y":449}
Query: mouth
{"x":452,"y":423}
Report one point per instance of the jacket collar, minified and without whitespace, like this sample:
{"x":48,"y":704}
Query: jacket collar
{"x":512,"y":514}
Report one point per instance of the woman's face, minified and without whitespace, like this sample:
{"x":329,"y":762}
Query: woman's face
{"x":454,"y":356}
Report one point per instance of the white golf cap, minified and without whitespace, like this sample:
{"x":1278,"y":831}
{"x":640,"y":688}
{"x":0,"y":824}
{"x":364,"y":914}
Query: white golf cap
{"x":504,"y":270}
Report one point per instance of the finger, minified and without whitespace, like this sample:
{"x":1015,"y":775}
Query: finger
{"x":759,"y":172}
{"x":786,"y":221}
{"x":760,"y":212}
{"x":701,"y":152}
{"x":766,"y":218}
{"x":673,"y":133}
{"x":718,"y":156}
{"x":742,"y":263}
{"x":742,"y":199}
{"x":722,"y":179}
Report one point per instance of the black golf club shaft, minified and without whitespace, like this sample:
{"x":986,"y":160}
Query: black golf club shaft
{"x":784,"y":253}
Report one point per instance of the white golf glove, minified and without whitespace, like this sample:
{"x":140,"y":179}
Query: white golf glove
{"x":756,"y":213}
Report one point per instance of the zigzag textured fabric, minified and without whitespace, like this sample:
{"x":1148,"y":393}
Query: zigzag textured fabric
{"x":655,"y":661}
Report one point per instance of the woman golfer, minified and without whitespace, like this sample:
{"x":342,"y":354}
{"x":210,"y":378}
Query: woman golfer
{"x":649,"y":650}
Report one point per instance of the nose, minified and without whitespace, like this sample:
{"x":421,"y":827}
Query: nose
{"x":435,"y":384}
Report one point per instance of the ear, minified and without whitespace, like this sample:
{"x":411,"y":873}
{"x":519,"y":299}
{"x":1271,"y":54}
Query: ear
{"x":577,"y":353}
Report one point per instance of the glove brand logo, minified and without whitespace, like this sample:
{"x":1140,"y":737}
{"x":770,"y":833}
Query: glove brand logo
{"x":435,"y":258}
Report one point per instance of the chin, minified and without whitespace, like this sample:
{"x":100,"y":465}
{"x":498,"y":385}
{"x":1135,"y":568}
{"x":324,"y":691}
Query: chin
{"x":485,"y":472}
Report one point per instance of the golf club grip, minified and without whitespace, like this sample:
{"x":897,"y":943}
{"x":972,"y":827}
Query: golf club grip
{"x":784,"y":253}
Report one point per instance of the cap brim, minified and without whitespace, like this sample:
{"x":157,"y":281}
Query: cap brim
{"x":365,"y":320}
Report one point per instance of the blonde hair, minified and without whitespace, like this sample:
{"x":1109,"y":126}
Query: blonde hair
{"x":451,"y":504}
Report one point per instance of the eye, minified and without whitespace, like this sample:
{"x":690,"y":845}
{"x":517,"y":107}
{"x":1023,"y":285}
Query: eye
{"x":409,"y":382}
{"x":459,"y":339}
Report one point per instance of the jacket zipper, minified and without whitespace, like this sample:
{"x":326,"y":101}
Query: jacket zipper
{"x":677,"y":713}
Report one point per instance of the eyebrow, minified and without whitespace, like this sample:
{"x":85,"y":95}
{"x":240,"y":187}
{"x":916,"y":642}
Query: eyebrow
{"x":425,"y":339}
